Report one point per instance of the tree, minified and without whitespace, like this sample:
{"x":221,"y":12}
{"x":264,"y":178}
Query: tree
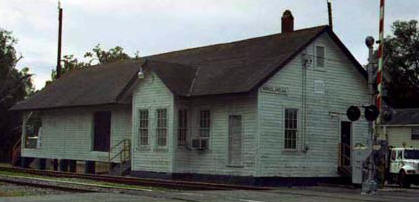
{"x":96,"y":56}
{"x":401,"y":60}
{"x":15,"y":85}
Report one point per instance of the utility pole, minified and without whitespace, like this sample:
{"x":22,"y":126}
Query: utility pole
{"x":60,"y":22}
{"x":329,"y":11}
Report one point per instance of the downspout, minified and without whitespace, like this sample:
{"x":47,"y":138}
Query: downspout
{"x":304,"y":102}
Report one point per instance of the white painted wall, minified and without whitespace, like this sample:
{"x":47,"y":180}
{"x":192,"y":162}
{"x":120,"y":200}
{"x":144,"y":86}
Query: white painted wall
{"x":399,"y":135}
{"x":152,"y":94}
{"x":344,"y":86}
{"x":68,"y":133}
{"x":215,"y":160}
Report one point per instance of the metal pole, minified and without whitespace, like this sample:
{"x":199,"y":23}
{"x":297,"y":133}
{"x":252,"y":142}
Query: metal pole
{"x":370,"y":186}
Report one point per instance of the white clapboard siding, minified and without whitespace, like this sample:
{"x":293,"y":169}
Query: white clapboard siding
{"x":398,"y":136}
{"x":344,"y":86}
{"x":152,"y":94}
{"x":68,"y":133}
{"x":215,"y":160}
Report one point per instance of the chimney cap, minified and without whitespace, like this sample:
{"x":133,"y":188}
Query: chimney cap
{"x":287,"y":13}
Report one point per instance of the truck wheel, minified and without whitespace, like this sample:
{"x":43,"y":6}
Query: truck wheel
{"x":403,"y":180}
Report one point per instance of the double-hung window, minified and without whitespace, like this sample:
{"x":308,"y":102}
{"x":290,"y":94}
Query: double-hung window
{"x":415,"y":133}
{"x":291,"y":129}
{"x":204,"y":123}
{"x":320,"y":56}
{"x":161,"y":127}
{"x":143,"y":127}
{"x":182,"y":126}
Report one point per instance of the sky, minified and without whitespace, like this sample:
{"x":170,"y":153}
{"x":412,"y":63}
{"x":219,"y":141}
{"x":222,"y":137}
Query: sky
{"x":156,"y":26}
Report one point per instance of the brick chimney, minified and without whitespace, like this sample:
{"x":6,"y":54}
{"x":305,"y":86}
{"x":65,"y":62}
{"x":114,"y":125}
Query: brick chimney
{"x":287,"y":22}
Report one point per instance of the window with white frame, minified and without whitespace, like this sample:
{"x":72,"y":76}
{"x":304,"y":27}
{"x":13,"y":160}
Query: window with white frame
{"x":143,"y":127}
{"x":291,"y":129}
{"x":161,"y":127}
{"x":415,"y":133}
{"x":320,"y":56}
{"x":204,"y":123}
{"x":182,"y":126}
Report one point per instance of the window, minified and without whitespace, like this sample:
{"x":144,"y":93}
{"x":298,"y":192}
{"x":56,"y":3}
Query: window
{"x":161,"y":127}
{"x":415,"y":133}
{"x":33,"y":131}
{"x":290,"y":129}
{"x":143,"y":127}
{"x":182,"y":126}
{"x":320,"y":53}
{"x":204,"y":123}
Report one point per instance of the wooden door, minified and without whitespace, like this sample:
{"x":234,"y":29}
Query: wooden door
{"x":235,"y":140}
{"x":102,"y":131}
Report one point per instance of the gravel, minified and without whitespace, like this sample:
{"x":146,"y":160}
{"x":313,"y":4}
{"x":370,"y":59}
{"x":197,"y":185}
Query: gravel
{"x":10,"y":190}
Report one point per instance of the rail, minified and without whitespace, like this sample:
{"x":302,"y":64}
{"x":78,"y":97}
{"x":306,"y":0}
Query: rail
{"x":176,"y":184}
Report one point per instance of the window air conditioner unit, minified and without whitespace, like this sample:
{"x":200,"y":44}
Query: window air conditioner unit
{"x":200,"y":143}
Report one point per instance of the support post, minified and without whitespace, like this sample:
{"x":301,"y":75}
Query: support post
{"x":89,"y":167}
{"x":64,"y":165}
{"x":42,"y":164}
{"x":55,"y":164}
{"x":73,"y":166}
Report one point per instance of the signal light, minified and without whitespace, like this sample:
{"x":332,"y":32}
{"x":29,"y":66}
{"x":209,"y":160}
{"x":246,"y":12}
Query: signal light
{"x":371,"y":112}
{"x":353,"y":113}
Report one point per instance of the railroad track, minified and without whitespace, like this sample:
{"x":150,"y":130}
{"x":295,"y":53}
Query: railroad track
{"x":173,"y":184}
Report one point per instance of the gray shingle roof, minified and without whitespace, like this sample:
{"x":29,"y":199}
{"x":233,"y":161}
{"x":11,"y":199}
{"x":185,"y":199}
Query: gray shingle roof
{"x":404,"y":117}
{"x":235,"y":67}
{"x":94,"y":86}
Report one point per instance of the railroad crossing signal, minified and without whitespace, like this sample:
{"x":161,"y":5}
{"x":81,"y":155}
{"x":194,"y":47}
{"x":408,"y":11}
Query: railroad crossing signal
{"x":370,"y":112}
{"x":353,"y":113}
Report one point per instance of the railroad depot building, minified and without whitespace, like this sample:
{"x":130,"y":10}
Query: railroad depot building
{"x":272,"y":106}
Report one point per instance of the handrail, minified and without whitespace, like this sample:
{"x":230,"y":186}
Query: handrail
{"x":17,"y":144}
{"x":124,"y":153}
{"x":15,"y":151}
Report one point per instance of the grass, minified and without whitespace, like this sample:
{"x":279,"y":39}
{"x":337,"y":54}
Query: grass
{"x":81,"y":181}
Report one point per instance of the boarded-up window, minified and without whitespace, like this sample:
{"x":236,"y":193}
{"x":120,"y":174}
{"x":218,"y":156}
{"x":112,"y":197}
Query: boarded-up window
{"x":182,"y":126}
{"x":102,"y":131}
{"x":143,"y":127}
{"x":290,"y":140}
{"x":235,"y":140}
{"x":204,"y":123}
{"x":320,"y":53}
{"x":415,"y":133}
{"x":161,"y":127}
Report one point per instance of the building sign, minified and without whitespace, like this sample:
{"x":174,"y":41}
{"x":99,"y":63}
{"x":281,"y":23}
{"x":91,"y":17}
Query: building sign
{"x":275,"y":90}
{"x":319,"y":87}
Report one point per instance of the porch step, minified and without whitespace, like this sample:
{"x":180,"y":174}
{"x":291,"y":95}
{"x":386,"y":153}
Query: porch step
{"x":121,"y":169}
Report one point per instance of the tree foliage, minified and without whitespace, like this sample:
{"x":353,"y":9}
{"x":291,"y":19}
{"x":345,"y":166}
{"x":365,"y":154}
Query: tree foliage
{"x":401,"y":60}
{"x":15,"y":85}
{"x":96,"y":56}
